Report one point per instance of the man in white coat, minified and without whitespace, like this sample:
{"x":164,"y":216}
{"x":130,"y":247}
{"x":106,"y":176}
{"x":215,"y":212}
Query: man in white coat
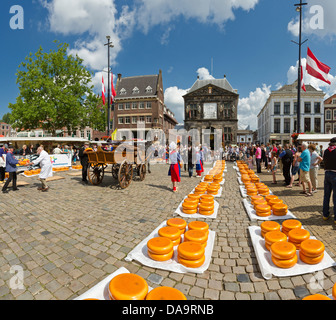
{"x":46,"y":167}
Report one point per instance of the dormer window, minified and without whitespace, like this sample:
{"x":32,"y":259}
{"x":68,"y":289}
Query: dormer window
{"x":149,"y":89}
{"x":135,"y":90}
{"x":123,"y":91}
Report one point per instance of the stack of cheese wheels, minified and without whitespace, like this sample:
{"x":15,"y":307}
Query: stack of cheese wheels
{"x":255,"y":198}
{"x":245,"y":177}
{"x":199,"y":225}
{"x":280,"y":209}
{"x":264,"y":191}
{"x":206,"y":205}
{"x":218,"y":178}
{"x":179,"y":223}
{"x":251,"y":191}
{"x":259,"y":202}
{"x":208,"y":178}
{"x":283,"y":254}
{"x":172,"y":233}
{"x":272,"y":237}
{"x":254,"y":178}
{"x":263,"y":210}
{"x":128,"y":286}
{"x":198,"y":236}
{"x":160,"y":248}
{"x":213,"y":188}
{"x":200,"y":189}
{"x":165,"y":293}
{"x":311,"y":251}
{"x":194,"y":196}
{"x":189,"y":205}
{"x":296,"y":236}
{"x":191,"y":254}
{"x":289,"y":225}
{"x":273,"y":202}
{"x":268,"y":226}
{"x":270,"y":197}
{"x":316,"y":296}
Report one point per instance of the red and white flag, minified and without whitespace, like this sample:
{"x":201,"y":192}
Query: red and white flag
{"x":113,"y":92}
{"x":103,"y":91}
{"x":302,"y":83}
{"x":316,"y":68}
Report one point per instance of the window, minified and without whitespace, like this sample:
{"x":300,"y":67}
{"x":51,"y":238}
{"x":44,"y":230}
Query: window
{"x":277,"y":108}
{"x":149,"y":119}
{"x":142,"y":118}
{"x":135,"y":90}
{"x":295,"y":108}
{"x":134,"y":105}
{"x":127,"y":106}
{"x":334,"y":114}
{"x":334,"y":127}
{"x":334,"y":101}
{"x":142,"y":105}
{"x":317,"y":107}
{"x":276,"y":125}
{"x":134,"y":120}
{"x":120,"y":107}
{"x":149,"y":105}
{"x":307,"y":127}
{"x":120,"y":120}
{"x":307,"y":107}
{"x":82,"y":133}
{"x":287,"y":125}
{"x":328,"y":128}
{"x":127,"y":120}
{"x":328,"y":115}
{"x":287,"y":108}
{"x":317,"y":125}
{"x":122,"y":91}
{"x":149,"y":89}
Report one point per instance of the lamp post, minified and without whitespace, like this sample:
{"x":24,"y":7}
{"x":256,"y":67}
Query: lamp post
{"x":109,"y":45}
{"x":298,"y":106}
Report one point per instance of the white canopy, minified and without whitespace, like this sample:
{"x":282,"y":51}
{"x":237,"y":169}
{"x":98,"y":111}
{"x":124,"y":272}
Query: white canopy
{"x":316,"y":137}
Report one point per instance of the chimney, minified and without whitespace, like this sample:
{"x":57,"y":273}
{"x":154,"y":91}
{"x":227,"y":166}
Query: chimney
{"x":119,"y":76}
{"x":224,"y":76}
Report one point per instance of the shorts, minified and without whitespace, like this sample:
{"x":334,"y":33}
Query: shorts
{"x":275,"y":169}
{"x":304,"y":176}
{"x":295,"y":170}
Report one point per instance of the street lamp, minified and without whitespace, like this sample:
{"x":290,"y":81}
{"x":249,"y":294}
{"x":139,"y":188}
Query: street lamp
{"x":109,"y":45}
{"x":298,"y":106}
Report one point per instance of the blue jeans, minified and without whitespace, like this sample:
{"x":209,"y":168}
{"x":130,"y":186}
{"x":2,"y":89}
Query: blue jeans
{"x":329,"y":186}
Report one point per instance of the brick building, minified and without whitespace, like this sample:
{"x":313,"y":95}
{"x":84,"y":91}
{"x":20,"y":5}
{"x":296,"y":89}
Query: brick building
{"x":140,"y":99}
{"x":330,"y":115}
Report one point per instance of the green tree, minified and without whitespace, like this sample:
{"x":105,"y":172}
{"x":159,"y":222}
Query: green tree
{"x":7,"y":118}
{"x":55,"y":93}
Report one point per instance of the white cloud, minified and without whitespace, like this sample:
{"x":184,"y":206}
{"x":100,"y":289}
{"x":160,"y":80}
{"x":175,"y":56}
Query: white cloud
{"x":174,"y":101}
{"x":249,"y":107}
{"x":204,"y":74}
{"x":154,"y":12}
{"x":318,"y":19}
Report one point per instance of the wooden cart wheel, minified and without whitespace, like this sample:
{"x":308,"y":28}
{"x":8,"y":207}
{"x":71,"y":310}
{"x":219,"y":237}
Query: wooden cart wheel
{"x":115,"y":170}
{"x":95,"y":173}
{"x":125,"y":174}
{"x":142,"y":171}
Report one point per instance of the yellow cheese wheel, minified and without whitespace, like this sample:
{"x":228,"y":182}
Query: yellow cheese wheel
{"x":190,"y":201}
{"x":298,"y":235}
{"x":189,"y":211}
{"x":206,"y":212}
{"x":268,"y":226}
{"x":177,"y":222}
{"x":254,"y":198}
{"x":199,"y":189}
{"x":251,"y":192}
{"x":194,"y":196}
{"x":263,"y":214}
{"x":207,"y":197}
{"x":270,"y":197}
{"x":212,"y":191}
{"x":316,"y":296}
{"x":207,"y":202}
{"x":334,"y":291}
{"x":198,"y":225}
{"x":274,"y":236}
{"x":280,"y":209}
{"x":165,"y":293}
{"x":177,"y":241}
{"x":310,"y":260}
{"x":189,"y":206}
{"x":190,"y":250}
{"x":283,"y":250}
{"x":160,"y":245}
{"x":128,"y":286}
{"x":285,"y":264}
{"x":171,"y":233}
{"x":263,"y":192}
{"x":196,"y":236}
{"x":206,"y":207}
{"x":259,"y":202}
{"x":208,"y":177}
{"x":272,"y":202}
{"x":191,"y":263}
{"x":263,"y":208}
{"x":161,"y":257}
{"x":290,"y":224}
{"x":312,"y":248}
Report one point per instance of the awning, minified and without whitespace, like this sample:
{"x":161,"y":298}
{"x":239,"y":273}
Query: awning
{"x":316,"y":137}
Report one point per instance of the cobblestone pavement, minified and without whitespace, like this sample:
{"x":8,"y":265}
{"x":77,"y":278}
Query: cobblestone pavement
{"x":72,"y":237}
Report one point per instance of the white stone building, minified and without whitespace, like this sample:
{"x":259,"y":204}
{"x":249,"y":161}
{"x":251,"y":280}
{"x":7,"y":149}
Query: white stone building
{"x":277,"y":120}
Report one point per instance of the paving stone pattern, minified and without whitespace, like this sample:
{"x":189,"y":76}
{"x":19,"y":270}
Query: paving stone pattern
{"x":72,"y":237}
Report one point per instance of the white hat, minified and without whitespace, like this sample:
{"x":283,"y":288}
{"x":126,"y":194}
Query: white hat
{"x":172,"y":146}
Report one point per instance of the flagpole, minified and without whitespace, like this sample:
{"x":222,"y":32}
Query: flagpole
{"x":109,"y":45}
{"x":298,"y":106}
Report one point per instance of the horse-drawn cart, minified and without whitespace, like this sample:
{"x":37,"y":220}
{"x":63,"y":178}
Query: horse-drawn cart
{"x":126,"y":160}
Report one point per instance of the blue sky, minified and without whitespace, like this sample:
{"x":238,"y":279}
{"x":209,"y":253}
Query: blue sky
{"x":248,"y":40}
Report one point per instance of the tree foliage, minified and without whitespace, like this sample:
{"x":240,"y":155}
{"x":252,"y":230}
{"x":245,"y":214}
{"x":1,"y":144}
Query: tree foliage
{"x":55,"y":93}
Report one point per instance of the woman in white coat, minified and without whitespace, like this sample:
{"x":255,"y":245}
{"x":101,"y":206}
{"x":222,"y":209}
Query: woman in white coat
{"x":46,"y":167}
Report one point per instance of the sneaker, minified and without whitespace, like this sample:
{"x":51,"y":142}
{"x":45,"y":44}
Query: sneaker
{"x":314,"y":191}
{"x":326,"y":218}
